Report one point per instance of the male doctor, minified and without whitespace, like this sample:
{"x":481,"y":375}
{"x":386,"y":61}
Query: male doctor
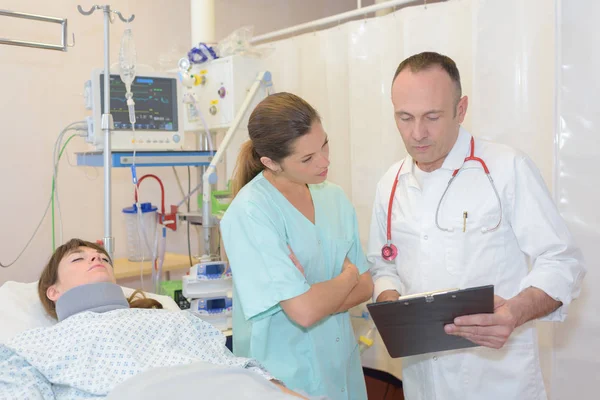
{"x":504,"y":231}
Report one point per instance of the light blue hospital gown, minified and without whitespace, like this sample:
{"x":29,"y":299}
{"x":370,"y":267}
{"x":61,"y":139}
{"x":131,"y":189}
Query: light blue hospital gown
{"x":257,"y":228}
{"x":88,"y":354}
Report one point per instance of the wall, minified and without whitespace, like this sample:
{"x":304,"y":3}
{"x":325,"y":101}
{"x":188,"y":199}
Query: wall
{"x":41,"y":94}
{"x":271,"y":15}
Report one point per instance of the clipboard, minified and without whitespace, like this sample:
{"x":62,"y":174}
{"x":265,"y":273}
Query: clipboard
{"x":415,"y":324}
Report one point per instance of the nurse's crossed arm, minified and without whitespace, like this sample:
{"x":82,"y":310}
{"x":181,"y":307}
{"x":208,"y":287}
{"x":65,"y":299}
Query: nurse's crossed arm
{"x":323,"y":298}
{"x":360,"y":293}
{"x":311,"y":307}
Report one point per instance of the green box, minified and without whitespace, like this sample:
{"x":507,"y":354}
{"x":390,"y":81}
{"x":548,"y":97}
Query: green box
{"x":219,"y":200}
{"x":168,"y":288}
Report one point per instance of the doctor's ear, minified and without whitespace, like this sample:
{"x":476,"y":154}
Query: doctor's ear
{"x":270,"y":164}
{"x":461,"y":108}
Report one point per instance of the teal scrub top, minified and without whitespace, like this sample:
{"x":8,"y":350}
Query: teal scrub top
{"x":322,"y":360}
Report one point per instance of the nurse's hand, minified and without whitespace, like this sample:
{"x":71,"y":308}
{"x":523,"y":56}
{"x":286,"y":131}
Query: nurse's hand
{"x":490,"y":330}
{"x":295,"y":261}
{"x":350,"y":268}
{"x":286,"y":390}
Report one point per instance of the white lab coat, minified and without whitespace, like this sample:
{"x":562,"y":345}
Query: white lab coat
{"x":431,"y":259}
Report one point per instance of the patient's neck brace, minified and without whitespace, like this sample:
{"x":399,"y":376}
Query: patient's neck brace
{"x":97,"y":297}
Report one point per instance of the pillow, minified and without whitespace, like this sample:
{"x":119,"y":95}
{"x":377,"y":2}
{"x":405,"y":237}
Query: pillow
{"x":21,"y":308}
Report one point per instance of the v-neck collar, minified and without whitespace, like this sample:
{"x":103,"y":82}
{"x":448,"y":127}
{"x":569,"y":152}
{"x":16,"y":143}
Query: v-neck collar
{"x":312,"y":198}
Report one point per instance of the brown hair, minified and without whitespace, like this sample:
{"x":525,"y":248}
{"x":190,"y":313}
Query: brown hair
{"x":273,"y":127}
{"x":50,"y":276}
{"x":426,"y":60}
{"x":143,"y":301}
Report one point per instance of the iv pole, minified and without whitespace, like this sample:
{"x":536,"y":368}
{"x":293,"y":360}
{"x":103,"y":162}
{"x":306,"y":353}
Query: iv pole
{"x":107,"y":122}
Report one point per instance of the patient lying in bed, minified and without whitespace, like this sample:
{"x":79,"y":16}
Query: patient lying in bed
{"x":103,"y":339}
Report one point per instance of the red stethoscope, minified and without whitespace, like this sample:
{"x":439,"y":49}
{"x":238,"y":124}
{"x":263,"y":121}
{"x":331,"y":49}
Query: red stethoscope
{"x":389,"y":251}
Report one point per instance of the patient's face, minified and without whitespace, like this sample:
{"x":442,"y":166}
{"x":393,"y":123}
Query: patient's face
{"x":80,"y":267}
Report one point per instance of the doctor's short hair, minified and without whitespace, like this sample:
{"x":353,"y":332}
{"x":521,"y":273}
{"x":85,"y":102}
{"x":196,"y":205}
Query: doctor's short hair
{"x":426,"y":60}
{"x":50,"y":276}
{"x":274,"y":125}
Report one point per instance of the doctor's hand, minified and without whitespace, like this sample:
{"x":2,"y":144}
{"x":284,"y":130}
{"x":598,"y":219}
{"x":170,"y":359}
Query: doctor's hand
{"x":489,"y":330}
{"x":388,"y":295}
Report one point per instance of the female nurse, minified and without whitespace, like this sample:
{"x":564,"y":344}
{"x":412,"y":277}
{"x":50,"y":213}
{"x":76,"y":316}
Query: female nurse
{"x":293,"y":244}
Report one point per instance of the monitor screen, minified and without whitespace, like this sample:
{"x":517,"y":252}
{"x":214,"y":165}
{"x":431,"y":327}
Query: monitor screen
{"x":155,"y":103}
{"x":213,"y":269}
{"x":216,"y":303}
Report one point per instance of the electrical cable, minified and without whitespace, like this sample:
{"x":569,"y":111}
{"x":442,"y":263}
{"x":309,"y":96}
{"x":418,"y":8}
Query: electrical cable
{"x":50,"y":200}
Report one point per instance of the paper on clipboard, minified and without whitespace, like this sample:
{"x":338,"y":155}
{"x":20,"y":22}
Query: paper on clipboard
{"x":427,"y":294}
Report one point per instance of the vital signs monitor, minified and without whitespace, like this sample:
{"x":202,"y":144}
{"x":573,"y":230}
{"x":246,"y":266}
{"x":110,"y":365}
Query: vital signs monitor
{"x":158,"y":112}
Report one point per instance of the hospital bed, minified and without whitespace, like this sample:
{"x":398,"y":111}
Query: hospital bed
{"x":21,"y":308}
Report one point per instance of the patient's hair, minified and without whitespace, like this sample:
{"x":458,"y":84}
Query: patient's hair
{"x":50,"y":276}
{"x":273,"y":127}
{"x":142,"y":301}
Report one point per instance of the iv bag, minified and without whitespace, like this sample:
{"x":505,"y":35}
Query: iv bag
{"x":127,"y":58}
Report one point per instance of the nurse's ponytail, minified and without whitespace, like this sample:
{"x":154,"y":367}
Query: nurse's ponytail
{"x":273,"y":127}
{"x":248,"y":165}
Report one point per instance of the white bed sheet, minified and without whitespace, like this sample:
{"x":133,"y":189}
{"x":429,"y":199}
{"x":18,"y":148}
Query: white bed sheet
{"x":207,"y":381}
